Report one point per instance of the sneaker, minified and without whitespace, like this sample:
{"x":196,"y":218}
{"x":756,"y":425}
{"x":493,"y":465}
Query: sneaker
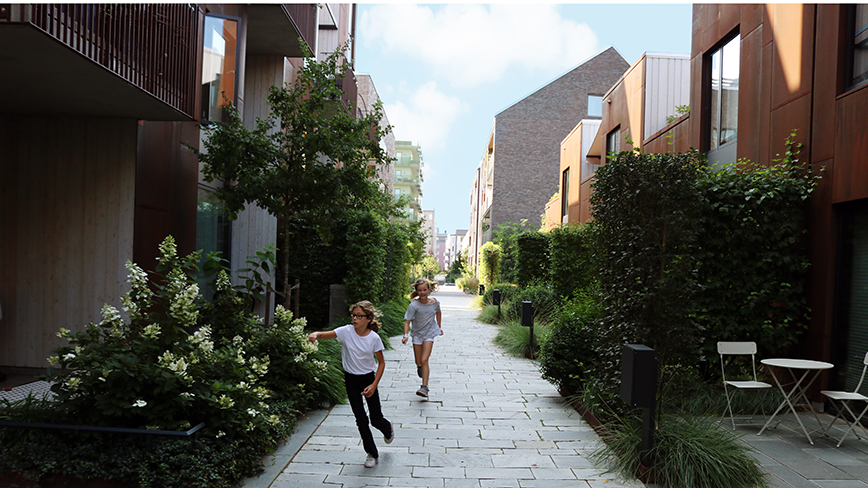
{"x":422,"y":391}
{"x":391,"y":435}
{"x":419,"y":371}
{"x":370,"y":462}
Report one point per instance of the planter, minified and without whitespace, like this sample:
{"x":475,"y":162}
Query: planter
{"x":16,"y":480}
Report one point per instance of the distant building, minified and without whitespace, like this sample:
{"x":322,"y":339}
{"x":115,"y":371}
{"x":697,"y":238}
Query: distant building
{"x":367,"y":97}
{"x":440,"y":249}
{"x":519,"y":170}
{"x":453,"y":246}
{"x":408,"y":178}
{"x":428,"y":229}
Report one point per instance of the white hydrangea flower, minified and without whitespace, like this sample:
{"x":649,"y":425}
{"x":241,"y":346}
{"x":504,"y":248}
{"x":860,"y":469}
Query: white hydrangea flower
{"x":223,"y":282}
{"x":168,"y":250}
{"x":110,"y":316}
{"x":182,"y":308}
{"x":64,"y":333}
{"x":225,"y":402}
{"x":274,"y":420}
{"x":152,"y":331}
{"x":53,"y":360}
{"x":140,"y":403}
{"x":73,"y":382}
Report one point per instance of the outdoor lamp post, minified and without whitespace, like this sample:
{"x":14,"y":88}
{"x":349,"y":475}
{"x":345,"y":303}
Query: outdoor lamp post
{"x":527,"y":321}
{"x":495,"y":300}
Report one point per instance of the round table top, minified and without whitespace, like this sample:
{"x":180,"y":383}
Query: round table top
{"x":797,"y":363}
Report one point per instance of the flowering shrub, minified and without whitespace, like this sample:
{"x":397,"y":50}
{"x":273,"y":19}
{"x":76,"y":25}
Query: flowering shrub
{"x":175,"y":361}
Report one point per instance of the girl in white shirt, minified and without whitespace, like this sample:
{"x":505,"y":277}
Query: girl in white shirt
{"x":360,"y":343}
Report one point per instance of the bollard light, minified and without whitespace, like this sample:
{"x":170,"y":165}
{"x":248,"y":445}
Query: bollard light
{"x":495,"y":299}
{"x":527,"y":321}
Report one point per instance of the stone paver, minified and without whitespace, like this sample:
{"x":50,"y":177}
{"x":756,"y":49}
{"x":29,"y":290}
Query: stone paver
{"x":490,"y":421}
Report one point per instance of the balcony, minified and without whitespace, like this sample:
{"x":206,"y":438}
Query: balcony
{"x":276,"y":28}
{"x":110,"y":60}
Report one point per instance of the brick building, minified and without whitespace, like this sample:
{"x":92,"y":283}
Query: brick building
{"x":519,"y":170}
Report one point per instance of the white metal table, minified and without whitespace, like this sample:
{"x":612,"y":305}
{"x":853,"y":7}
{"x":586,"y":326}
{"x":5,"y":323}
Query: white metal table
{"x":800,"y":370}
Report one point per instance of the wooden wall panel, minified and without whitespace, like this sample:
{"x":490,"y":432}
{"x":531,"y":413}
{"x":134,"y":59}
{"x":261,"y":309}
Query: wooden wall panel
{"x":68,"y":203}
{"x":825,"y":89}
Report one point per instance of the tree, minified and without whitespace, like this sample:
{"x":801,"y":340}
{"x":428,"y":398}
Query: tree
{"x":429,"y":266}
{"x":489,"y":263}
{"x":310,"y":158}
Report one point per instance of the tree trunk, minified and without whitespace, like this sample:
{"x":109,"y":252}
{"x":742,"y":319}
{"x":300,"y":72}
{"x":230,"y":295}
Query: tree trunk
{"x":284,"y":253}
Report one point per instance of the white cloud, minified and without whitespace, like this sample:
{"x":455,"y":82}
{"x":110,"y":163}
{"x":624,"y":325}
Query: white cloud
{"x":426,"y":117}
{"x":470,"y":45}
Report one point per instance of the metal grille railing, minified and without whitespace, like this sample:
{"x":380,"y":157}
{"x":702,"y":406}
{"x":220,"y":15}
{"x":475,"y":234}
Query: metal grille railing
{"x":152,"y":46}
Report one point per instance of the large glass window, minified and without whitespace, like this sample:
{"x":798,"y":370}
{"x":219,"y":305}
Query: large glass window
{"x":723,"y":96}
{"x":613,"y":142}
{"x":853,"y":299}
{"x":218,"y":68}
{"x":859,"y":58}
{"x":213,"y":231}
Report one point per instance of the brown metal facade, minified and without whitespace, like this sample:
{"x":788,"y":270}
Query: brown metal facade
{"x":793,"y":78}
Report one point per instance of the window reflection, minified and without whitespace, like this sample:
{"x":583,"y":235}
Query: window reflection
{"x":860,"y":45}
{"x":723,"y":94}
{"x":218,"y":68}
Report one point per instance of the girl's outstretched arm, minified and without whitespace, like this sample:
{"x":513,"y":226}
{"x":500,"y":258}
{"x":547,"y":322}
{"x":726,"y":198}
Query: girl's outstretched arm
{"x":329,"y":334}
{"x":438,"y":317}
{"x":381,"y":366}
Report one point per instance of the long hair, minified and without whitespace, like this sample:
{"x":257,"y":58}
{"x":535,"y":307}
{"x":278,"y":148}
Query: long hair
{"x":420,"y":281}
{"x":371,"y":312}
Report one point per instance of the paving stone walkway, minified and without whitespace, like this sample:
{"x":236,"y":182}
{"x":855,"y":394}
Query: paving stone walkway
{"x":491,"y":421}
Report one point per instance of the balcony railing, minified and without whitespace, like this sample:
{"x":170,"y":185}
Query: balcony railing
{"x":152,"y":46}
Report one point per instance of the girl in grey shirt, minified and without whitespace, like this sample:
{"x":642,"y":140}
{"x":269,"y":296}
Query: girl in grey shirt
{"x":424,"y":312}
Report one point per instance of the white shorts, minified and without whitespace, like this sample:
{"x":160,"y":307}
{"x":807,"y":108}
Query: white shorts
{"x":427,"y":335}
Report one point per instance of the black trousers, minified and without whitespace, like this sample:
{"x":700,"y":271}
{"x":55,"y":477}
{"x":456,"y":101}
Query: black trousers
{"x":355,"y":385}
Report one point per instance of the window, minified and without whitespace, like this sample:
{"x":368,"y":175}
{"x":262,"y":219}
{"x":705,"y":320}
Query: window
{"x":613,"y":142}
{"x":723,"y":94}
{"x":859,"y":46}
{"x":218,"y":68}
{"x":595,"y":106}
{"x":213,"y":233}
{"x":397,"y":192}
{"x":565,"y":196}
{"x":853,"y":301}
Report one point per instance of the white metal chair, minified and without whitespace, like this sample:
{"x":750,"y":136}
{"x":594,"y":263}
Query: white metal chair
{"x":738,"y":349}
{"x":844,"y":398}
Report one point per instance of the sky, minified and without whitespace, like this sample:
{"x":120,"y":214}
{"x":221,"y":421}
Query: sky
{"x":444,"y":71}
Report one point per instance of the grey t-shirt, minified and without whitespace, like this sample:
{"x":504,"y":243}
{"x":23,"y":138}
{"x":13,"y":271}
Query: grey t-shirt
{"x":424,"y":318}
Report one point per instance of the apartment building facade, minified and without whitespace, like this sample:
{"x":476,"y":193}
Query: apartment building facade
{"x":640,"y":111}
{"x":368,"y":96}
{"x":408,"y":178}
{"x":96,"y":169}
{"x":763,"y":71}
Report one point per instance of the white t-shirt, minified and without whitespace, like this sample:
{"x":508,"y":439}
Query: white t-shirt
{"x":357,"y":352}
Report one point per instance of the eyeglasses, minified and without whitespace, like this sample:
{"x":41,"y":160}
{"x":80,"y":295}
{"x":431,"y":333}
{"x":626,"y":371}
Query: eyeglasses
{"x":359,"y":316}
